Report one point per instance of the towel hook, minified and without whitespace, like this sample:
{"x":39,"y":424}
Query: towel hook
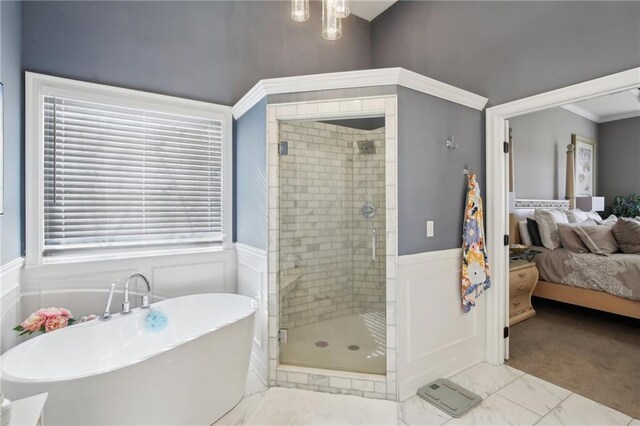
{"x":451,"y":145}
{"x":466,"y":170}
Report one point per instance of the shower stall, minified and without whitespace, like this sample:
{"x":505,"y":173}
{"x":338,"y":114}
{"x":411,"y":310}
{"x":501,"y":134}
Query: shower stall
{"x":331,"y":245}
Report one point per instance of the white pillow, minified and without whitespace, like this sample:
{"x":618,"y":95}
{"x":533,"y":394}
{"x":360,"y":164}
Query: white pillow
{"x":576,"y":216}
{"x":608,"y":221}
{"x":547,"y":221}
{"x":594,"y":215}
{"x":524,"y":233}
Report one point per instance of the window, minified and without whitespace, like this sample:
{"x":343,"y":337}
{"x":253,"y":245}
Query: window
{"x":121,"y":172}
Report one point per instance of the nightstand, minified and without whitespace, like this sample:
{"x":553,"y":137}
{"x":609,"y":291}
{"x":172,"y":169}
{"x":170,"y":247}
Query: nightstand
{"x":523,"y":277}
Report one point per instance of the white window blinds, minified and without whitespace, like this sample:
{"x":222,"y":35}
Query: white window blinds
{"x":122,"y":178}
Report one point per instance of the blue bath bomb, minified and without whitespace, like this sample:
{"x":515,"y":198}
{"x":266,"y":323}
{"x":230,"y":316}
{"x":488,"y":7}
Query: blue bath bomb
{"x":156,"y":320}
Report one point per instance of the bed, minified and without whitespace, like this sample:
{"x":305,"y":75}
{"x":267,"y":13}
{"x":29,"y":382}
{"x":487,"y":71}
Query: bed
{"x":581,"y":279}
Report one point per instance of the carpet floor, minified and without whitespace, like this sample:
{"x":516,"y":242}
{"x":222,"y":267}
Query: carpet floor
{"x":591,"y":353}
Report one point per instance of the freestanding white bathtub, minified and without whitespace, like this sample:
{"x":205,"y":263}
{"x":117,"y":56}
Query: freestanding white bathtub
{"x":118,"y":372}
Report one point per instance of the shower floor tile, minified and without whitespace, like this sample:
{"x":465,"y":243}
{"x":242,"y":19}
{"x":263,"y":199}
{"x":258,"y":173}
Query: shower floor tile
{"x":350,"y":343}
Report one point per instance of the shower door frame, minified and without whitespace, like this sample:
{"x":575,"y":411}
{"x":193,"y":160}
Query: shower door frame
{"x":335,"y":381}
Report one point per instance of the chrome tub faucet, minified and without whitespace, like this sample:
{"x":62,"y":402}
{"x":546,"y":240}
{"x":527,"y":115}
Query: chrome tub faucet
{"x":144,"y":302}
{"x":126,"y":306}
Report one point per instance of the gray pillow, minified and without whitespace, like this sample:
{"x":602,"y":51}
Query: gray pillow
{"x":627,"y":234}
{"x":569,"y":239}
{"x":599,"y":239}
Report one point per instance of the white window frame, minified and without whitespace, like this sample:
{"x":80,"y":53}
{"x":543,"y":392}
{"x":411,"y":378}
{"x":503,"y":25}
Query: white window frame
{"x":37,"y":86}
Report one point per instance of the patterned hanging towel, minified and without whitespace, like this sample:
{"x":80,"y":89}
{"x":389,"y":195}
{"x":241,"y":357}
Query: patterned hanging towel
{"x":475,"y":263}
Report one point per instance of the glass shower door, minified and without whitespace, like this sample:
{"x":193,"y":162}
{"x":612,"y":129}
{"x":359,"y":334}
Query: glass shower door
{"x":332,"y":264}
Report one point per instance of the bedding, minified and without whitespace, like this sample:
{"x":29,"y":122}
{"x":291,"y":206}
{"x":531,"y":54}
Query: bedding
{"x":599,"y":239}
{"x":617,"y":274}
{"x":577,"y":215}
{"x":608,"y":221}
{"x":627,"y":234}
{"x":534,"y":233}
{"x":570,"y":240}
{"x":524,"y":233}
{"x":548,"y":220}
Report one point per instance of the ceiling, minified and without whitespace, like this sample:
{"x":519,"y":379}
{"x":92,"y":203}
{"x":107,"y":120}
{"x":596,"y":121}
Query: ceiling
{"x":369,"y":9}
{"x":616,"y":106}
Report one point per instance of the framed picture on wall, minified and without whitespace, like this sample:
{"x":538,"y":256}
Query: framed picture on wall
{"x":585,"y":166}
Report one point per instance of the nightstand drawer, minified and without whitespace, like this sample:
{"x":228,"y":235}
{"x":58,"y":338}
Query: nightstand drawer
{"x":525,"y":274}
{"x":518,"y":304}
{"x":521,"y":287}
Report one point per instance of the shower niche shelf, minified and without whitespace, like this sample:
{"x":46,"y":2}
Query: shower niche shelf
{"x":289,"y":278}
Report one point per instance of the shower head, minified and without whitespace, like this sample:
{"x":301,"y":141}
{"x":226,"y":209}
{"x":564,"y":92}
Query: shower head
{"x":367,"y":147}
{"x":368,"y":210}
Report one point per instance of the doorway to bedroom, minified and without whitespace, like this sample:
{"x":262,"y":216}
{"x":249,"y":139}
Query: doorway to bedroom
{"x":569,"y":283}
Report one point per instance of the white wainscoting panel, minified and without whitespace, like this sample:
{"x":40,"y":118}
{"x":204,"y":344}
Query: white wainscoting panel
{"x":252,"y":282}
{"x":10,"y":277}
{"x":435,"y":338}
{"x":82,"y":287}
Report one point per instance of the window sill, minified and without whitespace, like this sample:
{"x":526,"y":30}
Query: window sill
{"x":62,"y":260}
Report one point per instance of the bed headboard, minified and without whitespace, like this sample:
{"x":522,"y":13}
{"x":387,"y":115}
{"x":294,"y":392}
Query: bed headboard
{"x":525,"y":209}
{"x":514,"y":218}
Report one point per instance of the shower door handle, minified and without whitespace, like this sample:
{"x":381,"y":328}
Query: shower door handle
{"x":373,"y":244}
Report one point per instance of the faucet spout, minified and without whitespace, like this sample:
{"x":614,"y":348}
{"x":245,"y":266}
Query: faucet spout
{"x":145,"y":304}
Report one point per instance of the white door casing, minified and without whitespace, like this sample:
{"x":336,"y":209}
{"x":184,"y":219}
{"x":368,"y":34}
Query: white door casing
{"x":497,"y":183}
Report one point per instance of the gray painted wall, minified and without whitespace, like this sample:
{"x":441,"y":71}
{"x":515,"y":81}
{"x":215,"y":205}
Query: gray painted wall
{"x":250,"y":181}
{"x":508,"y":50}
{"x":10,"y":75}
{"x":215,"y":51}
{"x":212,"y":51}
{"x":540,"y":144}
{"x":431,"y":185}
{"x":618,"y":158}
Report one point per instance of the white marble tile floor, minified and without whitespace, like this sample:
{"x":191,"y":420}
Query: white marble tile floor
{"x":510,"y":398}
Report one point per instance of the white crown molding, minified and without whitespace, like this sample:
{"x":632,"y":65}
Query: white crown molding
{"x":424,"y":84}
{"x":582,"y":112}
{"x":625,"y":80}
{"x":9,"y":275}
{"x":354,"y":79}
{"x":619,"y":116}
{"x":598,"y":118}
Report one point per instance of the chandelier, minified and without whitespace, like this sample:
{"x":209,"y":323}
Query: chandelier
{"x":333,"y":12}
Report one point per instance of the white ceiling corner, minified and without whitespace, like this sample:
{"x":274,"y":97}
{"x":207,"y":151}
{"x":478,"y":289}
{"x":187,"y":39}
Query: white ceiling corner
{"x":369,"y":9}
{"x":615,"y":106}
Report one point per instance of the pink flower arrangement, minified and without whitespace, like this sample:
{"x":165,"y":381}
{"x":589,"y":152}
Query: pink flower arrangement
{"x":45,"y":320}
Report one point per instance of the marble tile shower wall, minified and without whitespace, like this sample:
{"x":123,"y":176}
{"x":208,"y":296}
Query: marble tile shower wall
{"x":369,"y":275}
{"x":315,"y":251}
{"x":326,"y":266}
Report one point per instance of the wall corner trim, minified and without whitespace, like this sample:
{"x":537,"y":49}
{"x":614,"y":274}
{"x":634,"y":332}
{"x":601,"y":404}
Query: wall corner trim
{"x":6,"y":270}
{"x":354,"y":79}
